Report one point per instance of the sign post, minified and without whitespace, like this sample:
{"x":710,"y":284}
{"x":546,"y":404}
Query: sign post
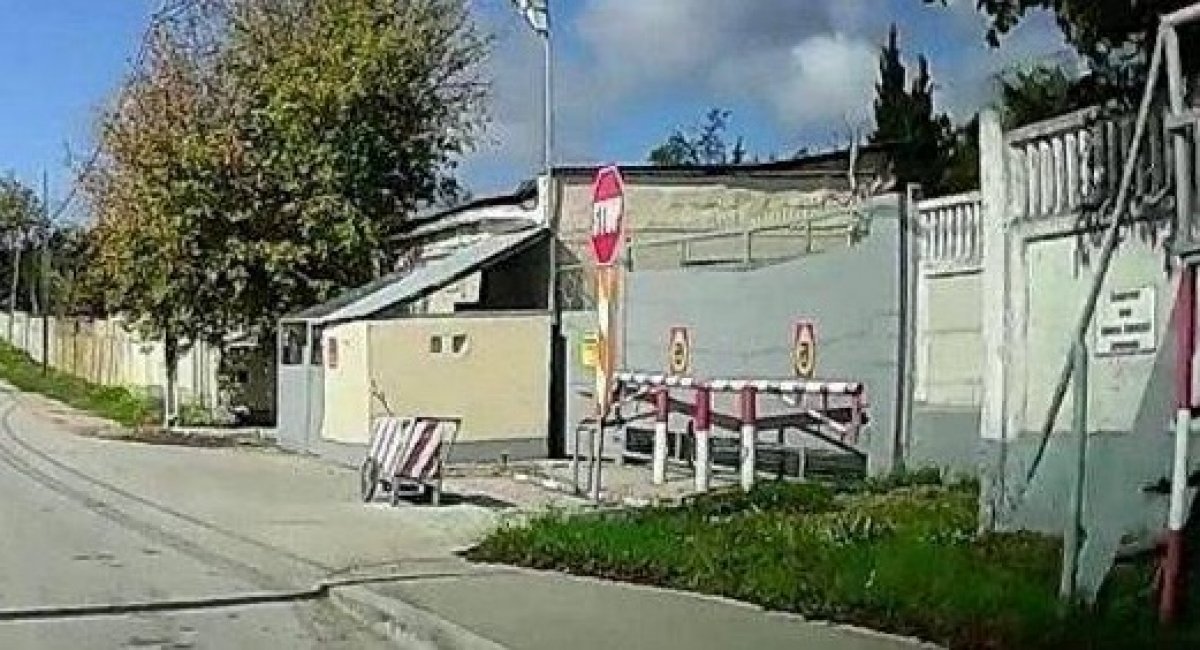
{"x":608,"y":215}
{"x":804,"y":349}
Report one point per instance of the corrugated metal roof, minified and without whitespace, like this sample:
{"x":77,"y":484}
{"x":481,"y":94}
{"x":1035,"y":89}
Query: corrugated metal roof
{"x":395,"y":288}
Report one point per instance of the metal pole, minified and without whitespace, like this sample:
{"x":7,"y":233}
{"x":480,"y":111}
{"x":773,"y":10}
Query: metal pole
{"x":1074,"y":529}
{"x":1177,"y":512}
{"x":549,"y":97}
{"x":45,"y":273}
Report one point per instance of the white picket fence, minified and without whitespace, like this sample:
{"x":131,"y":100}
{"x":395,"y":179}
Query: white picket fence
{"x":104,"y":352}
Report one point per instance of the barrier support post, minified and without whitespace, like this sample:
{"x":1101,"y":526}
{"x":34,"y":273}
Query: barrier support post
{"x":702,"y":417}
{"x":661,"y":415}
{"x":749,"y":455}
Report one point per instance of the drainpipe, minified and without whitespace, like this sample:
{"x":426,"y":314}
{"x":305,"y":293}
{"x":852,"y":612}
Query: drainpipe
{"x":1177,"y":513}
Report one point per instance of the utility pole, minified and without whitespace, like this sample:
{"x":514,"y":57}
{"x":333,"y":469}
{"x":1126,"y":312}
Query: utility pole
{"x":44,"y":274}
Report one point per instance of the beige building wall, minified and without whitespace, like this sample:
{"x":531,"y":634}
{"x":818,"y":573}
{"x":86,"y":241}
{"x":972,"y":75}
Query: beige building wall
{"x":492,"y":371}
{"x":658,"y":209}
{"x":347,"y":412}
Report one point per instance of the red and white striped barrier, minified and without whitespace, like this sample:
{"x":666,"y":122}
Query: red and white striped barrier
{"x":406,"y":450}
{"x":749,"y":390}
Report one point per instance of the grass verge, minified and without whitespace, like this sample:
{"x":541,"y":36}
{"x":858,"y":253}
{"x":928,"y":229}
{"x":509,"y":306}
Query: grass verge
{"x":117,"y":404}
{"x":899,"y":556}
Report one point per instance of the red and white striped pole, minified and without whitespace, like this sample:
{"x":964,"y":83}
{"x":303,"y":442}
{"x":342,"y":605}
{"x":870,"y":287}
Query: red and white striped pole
{"x":662,"y":402}
{"x":1177,"y":512}
{"x":702,"y":415}
{"x":749,"y":454}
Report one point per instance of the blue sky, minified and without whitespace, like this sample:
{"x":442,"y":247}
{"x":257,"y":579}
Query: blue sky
{"x":794,"y":72}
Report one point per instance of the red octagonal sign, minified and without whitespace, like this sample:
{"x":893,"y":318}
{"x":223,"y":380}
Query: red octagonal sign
{"x":608,"y":214}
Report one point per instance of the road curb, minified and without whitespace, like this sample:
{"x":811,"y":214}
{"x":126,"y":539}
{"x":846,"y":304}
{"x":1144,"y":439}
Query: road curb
{"x":408,"y":626}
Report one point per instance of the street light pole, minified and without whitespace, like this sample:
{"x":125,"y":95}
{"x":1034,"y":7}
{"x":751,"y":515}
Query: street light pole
{"x":537,"y":14}
{"x":549,"y":107}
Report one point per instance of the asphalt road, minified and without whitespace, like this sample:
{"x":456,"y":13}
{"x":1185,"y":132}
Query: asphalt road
{"x":84,"y":567}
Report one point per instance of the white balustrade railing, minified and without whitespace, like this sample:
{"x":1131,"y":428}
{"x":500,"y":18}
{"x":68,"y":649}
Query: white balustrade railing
{"x":951,"y":230}
{"x":1072,"y":163}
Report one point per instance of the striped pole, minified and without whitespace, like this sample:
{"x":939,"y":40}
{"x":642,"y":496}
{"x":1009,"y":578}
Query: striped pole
{"x":1177,"y":511}
{"x":749,"y":436}
{"x":662,"y":413}
{"x":702,"y":416}
{"x":605,"y":288}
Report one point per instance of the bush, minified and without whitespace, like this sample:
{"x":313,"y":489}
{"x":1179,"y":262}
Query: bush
{"x":905,"y":560}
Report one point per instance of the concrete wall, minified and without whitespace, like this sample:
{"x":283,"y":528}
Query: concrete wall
{"x":498,"y":383}
{"x":741,"y":321}
{"x":104,"y":352}
{"x":1040,"y":259}
{"x":948,"y":371}
{"x":347,"y":414}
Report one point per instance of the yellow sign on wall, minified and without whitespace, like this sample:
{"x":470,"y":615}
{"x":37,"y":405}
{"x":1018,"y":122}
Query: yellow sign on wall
{"x":589,"y":350}
{"x":679,"y":352}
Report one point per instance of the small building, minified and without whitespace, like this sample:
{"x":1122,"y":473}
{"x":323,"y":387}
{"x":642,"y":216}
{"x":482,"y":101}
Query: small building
{"x":463,"y":331}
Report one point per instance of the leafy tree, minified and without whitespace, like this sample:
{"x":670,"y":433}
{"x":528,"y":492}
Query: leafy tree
{"x":701,"y":144}
{"x":21,"y":216}
{"x":271,"y":147}
{"x":1113,"y":35}
{"x":905,"y":118}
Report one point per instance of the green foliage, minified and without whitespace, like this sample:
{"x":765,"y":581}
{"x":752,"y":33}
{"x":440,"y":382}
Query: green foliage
{"x":117,"y":404}
{"x":902,"y":556}
{"x":905,"y":118}
{"x":260,"y":164}
{"x":701,"y":144}
{"x":1113,"y":35}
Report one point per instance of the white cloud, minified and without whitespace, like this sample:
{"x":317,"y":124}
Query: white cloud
{"x":807,"y":65}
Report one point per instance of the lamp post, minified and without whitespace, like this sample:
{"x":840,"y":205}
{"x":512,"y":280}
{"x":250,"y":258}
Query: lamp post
{"x":537,"y":14}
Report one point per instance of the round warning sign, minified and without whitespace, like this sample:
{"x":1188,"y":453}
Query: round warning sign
{"x":679,"y":351}
{"x":804,"y":349}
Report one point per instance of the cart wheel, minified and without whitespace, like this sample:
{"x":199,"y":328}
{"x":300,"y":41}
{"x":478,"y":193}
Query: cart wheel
{"x":369,"y":477}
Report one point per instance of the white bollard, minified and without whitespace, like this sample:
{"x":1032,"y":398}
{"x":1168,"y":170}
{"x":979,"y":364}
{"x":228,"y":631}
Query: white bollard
{"x":662,"y":413}
{"x":749,"y":455}
{"x":702,"y":416}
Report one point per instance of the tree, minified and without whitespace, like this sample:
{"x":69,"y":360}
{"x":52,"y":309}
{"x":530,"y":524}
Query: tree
{"x":1115,"y":36}
{"x":20,"y":214}
{"x":905,"y":119}
{"x":701,"y":144}
{"x":270,"y":149}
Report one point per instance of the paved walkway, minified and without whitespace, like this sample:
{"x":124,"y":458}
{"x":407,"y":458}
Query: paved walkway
{"x":547,"y":611}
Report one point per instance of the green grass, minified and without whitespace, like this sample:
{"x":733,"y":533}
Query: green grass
{"x":117,"y":404}
{"x":900,"y":556}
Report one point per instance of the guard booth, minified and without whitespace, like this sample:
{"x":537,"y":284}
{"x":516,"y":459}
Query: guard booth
{"x":301,"y":387}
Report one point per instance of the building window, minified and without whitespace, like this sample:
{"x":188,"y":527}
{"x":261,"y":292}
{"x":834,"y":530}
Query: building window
{"x":435,"y":344}
{"x":292,"y":343}
{"x":458,"y":344}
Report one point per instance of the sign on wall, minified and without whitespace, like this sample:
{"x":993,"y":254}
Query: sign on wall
{"x":589,"y":350}
{"x":804,"y":349}
{"x":1125,"y":323}
{"x":679,"y":351}
{"x":608,"y":215}
{"x":331,"y":352}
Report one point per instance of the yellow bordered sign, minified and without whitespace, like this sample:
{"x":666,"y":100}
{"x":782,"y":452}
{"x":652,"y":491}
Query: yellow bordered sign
{"x":804,"y":349}
{"x":679,"y":351}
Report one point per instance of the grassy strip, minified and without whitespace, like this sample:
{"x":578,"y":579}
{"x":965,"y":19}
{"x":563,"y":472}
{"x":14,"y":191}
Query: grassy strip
{"x":117,"y":404}
{"x":893,"y":556}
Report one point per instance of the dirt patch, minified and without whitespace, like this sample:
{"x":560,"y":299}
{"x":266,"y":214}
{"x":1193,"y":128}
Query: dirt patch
{"x":186,"y":439}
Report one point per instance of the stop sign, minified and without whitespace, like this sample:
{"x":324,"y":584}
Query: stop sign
{"x":608,"y":213}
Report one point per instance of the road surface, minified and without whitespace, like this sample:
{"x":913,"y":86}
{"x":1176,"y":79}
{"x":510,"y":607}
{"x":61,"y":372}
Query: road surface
{"x":85,"y":564}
